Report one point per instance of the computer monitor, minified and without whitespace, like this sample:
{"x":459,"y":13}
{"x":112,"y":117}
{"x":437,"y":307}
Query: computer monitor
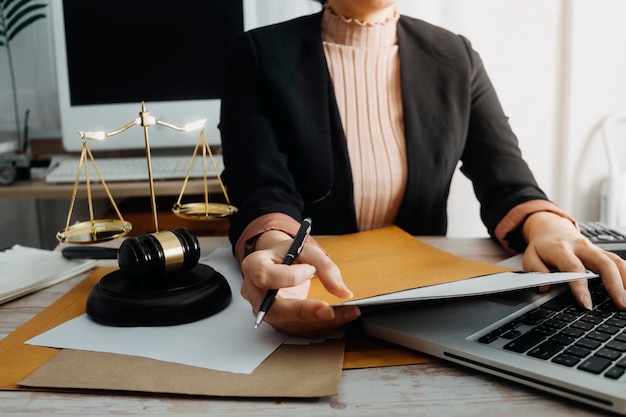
{"x":112,"y":55}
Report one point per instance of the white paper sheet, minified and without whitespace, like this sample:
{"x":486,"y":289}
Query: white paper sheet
{"x":226,"y":341}
{"x":487,"y":284}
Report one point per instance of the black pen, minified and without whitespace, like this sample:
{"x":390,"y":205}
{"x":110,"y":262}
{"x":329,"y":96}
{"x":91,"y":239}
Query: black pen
{"x":89,"y":252}
{"x":292,"y":254}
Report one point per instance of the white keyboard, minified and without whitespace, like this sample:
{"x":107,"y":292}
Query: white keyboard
{"x":133,"y":169}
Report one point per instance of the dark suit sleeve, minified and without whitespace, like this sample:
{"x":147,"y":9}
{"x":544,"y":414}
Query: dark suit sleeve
{"x":256,"y":172}
{"x":491,"y":158}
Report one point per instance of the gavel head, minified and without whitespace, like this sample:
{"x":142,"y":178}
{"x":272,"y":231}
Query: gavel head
{"x":159,"y":254}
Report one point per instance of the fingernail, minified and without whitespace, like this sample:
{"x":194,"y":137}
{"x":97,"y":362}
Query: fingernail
{"x":544,"y":288}
{"x":310,"y":271}
{"x":351,"y":314}
{"x":587,"y":302}
{"x":325,"y":313}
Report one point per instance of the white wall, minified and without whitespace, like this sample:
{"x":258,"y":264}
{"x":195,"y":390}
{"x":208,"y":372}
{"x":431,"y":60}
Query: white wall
{"x":558,"y":65}
{"x":33,"y":62}
{"x":518,"y":41}
{"x":597,"y":87}
{"x":266,"y":12}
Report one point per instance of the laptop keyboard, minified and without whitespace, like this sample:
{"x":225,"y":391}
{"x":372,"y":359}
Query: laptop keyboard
{"x":562,"y":332}
{"x":599,"y":232}
{"x":135,"y":169}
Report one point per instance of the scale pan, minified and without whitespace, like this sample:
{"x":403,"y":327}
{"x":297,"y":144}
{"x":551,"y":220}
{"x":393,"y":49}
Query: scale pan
{"x":93,"y":232}
{"x":203,"y":211}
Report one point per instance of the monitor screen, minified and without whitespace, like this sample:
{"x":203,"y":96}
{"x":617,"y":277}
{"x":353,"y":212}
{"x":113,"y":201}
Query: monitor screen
{"x":168,"y":54}
{"x":113,"y":54}
{"x":152,"y":50}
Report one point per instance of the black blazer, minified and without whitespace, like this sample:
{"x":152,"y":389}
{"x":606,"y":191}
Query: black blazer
{"x":285,"y":150}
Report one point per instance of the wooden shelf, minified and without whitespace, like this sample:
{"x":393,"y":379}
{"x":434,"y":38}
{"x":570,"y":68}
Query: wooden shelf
{"x":39,"y":189}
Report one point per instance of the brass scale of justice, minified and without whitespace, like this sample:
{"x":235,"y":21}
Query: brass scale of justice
{"x":159,"y":281}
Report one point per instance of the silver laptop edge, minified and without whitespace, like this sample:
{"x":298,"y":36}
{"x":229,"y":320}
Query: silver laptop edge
{"x":449,"y":329}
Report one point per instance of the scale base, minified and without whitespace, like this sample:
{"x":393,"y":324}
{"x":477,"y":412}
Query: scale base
{"x":177,"y":298}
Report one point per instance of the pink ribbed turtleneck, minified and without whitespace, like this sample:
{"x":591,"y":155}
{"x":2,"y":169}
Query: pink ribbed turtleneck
{"x":364,"y":66}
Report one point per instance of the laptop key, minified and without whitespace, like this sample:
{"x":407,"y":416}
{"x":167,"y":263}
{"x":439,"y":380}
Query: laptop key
{"x":616,"y":322}
{"x":560,"y":302}
{"x":620,"y":337}
{"x":576,"y":310}
{"x":588,"y":343}
{"x":607,"y":328}
{"x":566,"y":360}
{"x":568,"y":317}
{"x":546,"y":350}
{"x":524,"y":342}
{"x":617,"y":345}
{"x":545,"y":330}
{"x":563,"y":339}
{"x":614,"y":373}
{"x":488,"y":338}
{"x":573,"y":332}
{"x":600,"y":313}
{"x":594,"y":364}
{"x":599,"y":336}
{"x":577,"y":351}
{"x":583,"y":325}
{"x":555,"y":323}
{"x":609,"y":353}
{"x":590,"y":318}
{"x":536,"y":316}
{"x":511,"y":334}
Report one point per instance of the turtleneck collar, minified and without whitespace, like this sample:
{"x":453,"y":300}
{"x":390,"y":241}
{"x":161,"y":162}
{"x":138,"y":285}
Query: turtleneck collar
{"x":352,"y":32}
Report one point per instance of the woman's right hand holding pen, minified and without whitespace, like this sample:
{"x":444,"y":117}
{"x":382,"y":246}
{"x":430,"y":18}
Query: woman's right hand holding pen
{"x":291,"y":312}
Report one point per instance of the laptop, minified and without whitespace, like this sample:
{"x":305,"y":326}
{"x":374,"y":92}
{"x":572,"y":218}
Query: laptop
{"x":543,"y":340}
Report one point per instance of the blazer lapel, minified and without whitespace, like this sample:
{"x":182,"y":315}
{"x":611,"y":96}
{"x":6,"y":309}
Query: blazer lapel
{"x":312,"y":79}
{"x":324,"y":130}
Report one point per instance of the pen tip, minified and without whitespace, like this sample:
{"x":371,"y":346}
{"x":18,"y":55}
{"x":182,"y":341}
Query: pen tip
{"x":259,"y":319}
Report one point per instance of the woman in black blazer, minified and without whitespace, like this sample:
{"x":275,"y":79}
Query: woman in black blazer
{"x":286,"y":158}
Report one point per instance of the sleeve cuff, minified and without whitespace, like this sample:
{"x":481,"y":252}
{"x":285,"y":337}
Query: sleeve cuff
{"x":270,"y":221}
{"x":508,"y":231}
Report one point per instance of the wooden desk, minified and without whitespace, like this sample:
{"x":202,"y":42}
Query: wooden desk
{"x":434,"y":389}
{"x":41,"y":190}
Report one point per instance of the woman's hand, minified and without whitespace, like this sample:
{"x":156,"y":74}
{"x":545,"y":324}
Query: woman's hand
{"x":554,"y":243}
{"x":291,"y":312}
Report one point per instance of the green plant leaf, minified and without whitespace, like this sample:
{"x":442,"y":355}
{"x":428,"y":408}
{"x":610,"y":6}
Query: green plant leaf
{"x":15,"y":14}
{"x":5,"y":4}
{"x":19,"y":6}
{"x":14,"y":17}
{"x":8,"y":9}
{"x":13,"y":31}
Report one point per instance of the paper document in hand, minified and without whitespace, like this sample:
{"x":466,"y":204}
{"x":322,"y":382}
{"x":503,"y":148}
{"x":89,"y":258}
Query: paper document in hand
{"x":486,"y":284}
{"x":389,"y":265}
{"x":24,"y":270}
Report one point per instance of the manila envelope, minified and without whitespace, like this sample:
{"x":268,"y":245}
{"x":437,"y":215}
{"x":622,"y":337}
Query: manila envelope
{"x":28,"y":367}
{"x":388,"y":260}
